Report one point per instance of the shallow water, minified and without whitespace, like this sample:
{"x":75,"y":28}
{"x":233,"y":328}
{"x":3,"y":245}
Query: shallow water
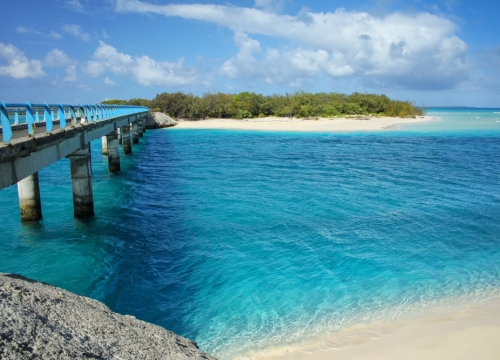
{"x":239,"y":239}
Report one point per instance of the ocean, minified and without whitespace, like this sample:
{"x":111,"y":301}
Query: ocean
{"x":243,"y":240}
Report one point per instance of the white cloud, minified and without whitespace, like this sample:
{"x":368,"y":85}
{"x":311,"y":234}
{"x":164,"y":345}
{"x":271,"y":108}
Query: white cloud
{"x":404,"y":50}
{"x":77,"y":31}
{"x":108,"y":81}
{"x":57,"y":58}
{"x":55,"y":35}
{"x":291,"y":67}
{"x":25,"y":30}
{"x":71,"y":75}
{"x":105,"y":35}
{"x":270,"y":5}
{"x":143,"y":70}
{"x":18,"y":65}
{"x":74,"y":5}
{"x":244,"y":64}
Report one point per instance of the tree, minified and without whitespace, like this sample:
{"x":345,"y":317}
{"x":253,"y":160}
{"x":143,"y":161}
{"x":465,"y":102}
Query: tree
{"x":114,"y":102}
{"x":248,"y":105}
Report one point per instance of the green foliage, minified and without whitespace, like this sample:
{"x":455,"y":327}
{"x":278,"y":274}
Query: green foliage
{"x":139,"y":102}
{"x":243,"y":114}
{"x":300,"y":104}
{"x":135,"y":101}
{"x":115,"y":102}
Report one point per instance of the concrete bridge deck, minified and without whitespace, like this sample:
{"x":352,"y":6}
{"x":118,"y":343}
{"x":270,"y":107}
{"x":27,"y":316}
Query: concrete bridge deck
{"x":25,"y":154}
{"x":21,"y":131}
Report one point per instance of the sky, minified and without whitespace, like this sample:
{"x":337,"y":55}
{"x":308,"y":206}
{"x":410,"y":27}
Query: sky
{"x":435,"y":53}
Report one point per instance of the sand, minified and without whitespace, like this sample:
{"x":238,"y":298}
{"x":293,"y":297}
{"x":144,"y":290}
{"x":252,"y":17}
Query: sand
{"x":469,"y":332}
{"x":295,"y":124}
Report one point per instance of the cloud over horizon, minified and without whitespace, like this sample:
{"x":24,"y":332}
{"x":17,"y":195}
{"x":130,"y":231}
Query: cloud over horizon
{"x":18,"y":65}
{"x":143,"y":70}
{"x":399,"y":50}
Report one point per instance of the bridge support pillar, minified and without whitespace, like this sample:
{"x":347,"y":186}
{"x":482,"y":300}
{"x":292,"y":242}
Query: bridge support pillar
{"x":81,"y":179}
{"x":30,"y":205}
{"x":140,"y":128}
{"x":135,"y":133}
{"x":143,"y":125}
{"x":119,"y":135}
{"x":127,"y":146}
{"x":113,"y":152}
{"x":104,"y":145}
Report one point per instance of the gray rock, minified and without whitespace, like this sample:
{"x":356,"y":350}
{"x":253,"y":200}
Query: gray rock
{"x":41,"y":321}
{"x":156,"y":120}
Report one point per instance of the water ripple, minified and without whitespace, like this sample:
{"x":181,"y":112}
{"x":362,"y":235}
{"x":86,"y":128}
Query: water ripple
{"x":245,"y":239}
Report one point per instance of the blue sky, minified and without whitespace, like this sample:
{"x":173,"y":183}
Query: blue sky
{"x":442,"y":52}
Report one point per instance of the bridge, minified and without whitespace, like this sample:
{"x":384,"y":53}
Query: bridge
{"x":33,"y":136}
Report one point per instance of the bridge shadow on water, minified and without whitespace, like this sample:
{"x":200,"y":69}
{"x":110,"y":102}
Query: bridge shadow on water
{"x":128,"y":254}
{"x":150,"y":273}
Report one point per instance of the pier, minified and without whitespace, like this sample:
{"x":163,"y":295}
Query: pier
{"x":34,"y":136}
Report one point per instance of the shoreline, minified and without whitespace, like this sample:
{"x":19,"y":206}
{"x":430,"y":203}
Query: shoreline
{"x":457,"y":331}
{"x":303,"y":125}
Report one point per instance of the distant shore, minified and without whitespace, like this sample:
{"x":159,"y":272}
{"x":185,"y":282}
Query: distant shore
{"x":469,"y":331}
{"x":372,"y":123}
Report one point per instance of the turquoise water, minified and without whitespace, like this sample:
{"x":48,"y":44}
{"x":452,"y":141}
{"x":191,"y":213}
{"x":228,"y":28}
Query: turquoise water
{"x":239,"y":239}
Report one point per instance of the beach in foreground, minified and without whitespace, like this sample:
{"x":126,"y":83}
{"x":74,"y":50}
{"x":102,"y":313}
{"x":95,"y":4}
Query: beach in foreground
{"x":469,"y":331}
{"x":295,"y":124}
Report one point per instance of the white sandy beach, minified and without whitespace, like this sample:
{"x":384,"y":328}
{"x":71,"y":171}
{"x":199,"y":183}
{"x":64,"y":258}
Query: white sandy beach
{"x":467,"y":332}
{"x":296,"y":124}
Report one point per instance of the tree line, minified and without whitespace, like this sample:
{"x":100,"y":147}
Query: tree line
{"x":251,"y":105}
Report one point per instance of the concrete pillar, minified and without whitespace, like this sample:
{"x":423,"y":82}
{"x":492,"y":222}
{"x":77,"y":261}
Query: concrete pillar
{"x":81,"y":179}
{"x":104,"y":145}
{"x":135,"y":133}
{"x":140,"y":127}
{"x":119,"y":135}
{"x":143,"y":125}
{"x":28,"y":190}
{"x":113,"y":152}
{"x":127,"y":145}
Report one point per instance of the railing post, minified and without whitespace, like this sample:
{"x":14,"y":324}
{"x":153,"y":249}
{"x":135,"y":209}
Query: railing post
{"x":81,"y":180}
{"x":88,"y":113}
{"x":30,"y":119}
{"x":5,"y":122}
{"x":47,"y":115}
{"x":28,"y":190}
{"x":72,"y":114}
{"x":62,"y":117}
{"x":81,"y":111}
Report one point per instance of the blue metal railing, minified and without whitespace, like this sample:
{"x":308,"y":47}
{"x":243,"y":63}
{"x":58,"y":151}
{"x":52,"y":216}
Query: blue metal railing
{"x":13,"y":114}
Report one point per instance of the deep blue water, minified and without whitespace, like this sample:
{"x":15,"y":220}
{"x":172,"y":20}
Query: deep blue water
{"x":236,"y":238}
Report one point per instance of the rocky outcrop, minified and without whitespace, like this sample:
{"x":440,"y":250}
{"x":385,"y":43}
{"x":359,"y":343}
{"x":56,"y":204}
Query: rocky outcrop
{"x":156,"y":120}
{"x":40,"y":321}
